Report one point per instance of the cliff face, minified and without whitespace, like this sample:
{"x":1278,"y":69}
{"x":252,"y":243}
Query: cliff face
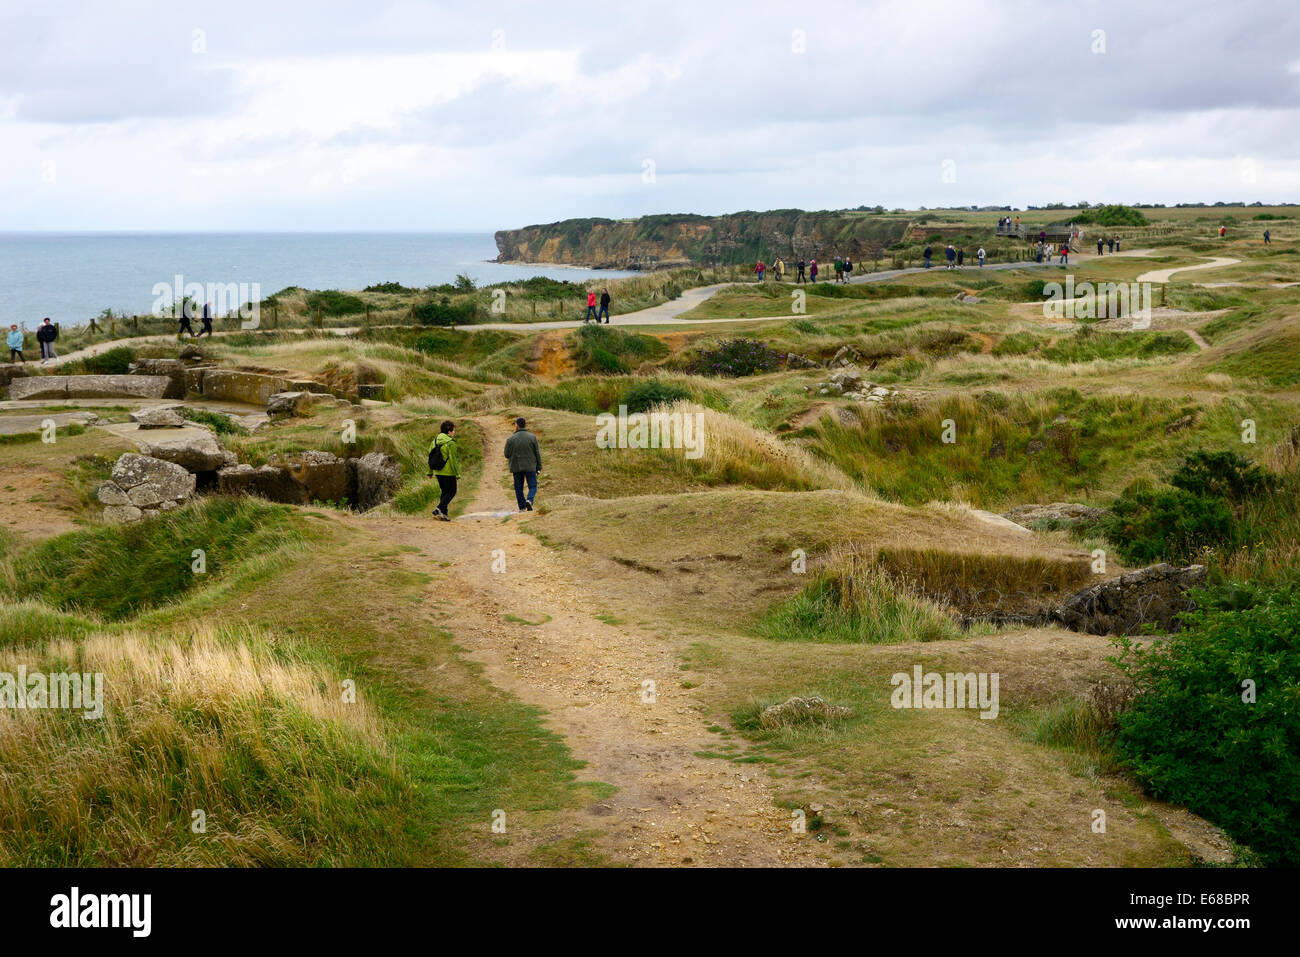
{"x":658,"y":242}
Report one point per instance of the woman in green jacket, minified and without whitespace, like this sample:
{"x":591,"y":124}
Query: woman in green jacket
{"x":450,"y":471}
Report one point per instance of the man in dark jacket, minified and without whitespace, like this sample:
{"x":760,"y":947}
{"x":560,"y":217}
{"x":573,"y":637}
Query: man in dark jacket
{"x":604,"y":307}
{"x":46,"y":333}
{"x":524,"y":457}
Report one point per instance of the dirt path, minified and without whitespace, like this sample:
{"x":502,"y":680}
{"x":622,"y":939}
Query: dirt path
{"x":1163,"y":275}
{"x":671,"y":808}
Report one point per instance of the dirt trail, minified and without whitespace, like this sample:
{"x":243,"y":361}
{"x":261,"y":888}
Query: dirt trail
{"x":672,"y":808}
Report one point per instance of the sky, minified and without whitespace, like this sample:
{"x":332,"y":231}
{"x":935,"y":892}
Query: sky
{"x":417,"y":116}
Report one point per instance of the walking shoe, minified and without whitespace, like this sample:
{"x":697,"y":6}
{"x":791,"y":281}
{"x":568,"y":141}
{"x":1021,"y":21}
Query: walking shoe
{"x":442,"y":516}
{"x":528,"y":506}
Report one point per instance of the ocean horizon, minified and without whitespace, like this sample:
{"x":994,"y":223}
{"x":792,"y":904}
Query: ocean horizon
{"x":74,"y":276}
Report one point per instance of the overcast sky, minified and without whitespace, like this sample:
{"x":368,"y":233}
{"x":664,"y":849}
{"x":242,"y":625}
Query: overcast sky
{"x":333,"y":115}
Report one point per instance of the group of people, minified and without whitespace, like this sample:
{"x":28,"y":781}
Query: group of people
{"x":956,"y":257}
{"x":1006,"y":224}
{"x":187,"y":313}
{"x":523,"y":455}
{"x":46,"y":333}
{"x":1109,"y":242}
{"x":591,"y":306}
{"x":805,"y":270}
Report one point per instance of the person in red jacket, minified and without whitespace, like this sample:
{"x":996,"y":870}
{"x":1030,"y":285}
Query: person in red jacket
{"x":760,"y":269}
{"x":591,"y":307}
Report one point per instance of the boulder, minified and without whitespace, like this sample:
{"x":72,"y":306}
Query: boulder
{"x":194,"y":450}
{"x":143,"y":486}
{"x":795,"y":361}
{"x":378,"y":479}
{"x":284,"y":404}
{"x":797,"y":710}
{"x":110,"y":493}
{"x":89,"y":387}
{"x":10,"y":372}
{"x":370,"y":390}
{"x":1068,"y":512}
{"x":167,"y":417}
{"x":173,"y":369}
{"x":1156,"y":595}
{"x":268,"y":482}
{"x":172,"y":481}
{"x":325,"y":476}
{"x":121,"y":514}
{"x":844,"y":356}
{"x":192,"y":353}
{"x":233,"y":385}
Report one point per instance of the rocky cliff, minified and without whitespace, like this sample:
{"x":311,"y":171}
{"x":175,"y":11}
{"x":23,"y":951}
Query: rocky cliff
{"x":658,"y":242}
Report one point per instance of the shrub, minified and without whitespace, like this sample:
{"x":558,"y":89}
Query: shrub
{"x":1192,"y":739}
{"x":441,"y":312}
{"x":642,"y":397}
{"x":1112,"y":216}
{"x":113,"y":362}
{"x":1171,"y":525}
{"x":602,"y":349}
{"x":1224,"y":475}
{"x":735,"y":358}
{"x":331,"y":302}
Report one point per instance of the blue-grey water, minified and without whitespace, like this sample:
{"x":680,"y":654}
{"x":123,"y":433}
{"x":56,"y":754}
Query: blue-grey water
{"x":71,"y":277}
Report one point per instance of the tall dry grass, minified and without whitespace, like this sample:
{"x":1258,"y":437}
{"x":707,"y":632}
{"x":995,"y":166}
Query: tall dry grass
{"x":259,"y":740}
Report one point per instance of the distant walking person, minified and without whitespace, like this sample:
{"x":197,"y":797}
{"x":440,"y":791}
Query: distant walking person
{"x":812,"y":271}
{"x":760,"y":269}
{"x":187,"y":310}
{"x":524,"y":457}
{"x":961,"y":254}
{"x":604,"y":307}
{"x":839,"y":268}
{"x":591,"y":307}
{"x":802,"y":278}
{"x":1117,"y":243}
{"x":1100,"y":242}
{"x":848,"y":268}
{"x":1065,"y":255}
{"x":928,"y":253}
{"x":206,"y":319}
{"x":1223,"y":232}
{"x":1110,"y":245}
{"x":1267,"y":238}
{"x":951,"y":255}
{"x":980,"y":254}
{"x":46,"y":333}
{"x":779,"y":269}
{"x":15,"y":343}
{"x":444,"y":462}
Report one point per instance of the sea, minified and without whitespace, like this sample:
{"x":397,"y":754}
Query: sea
{"x":72,"y":277}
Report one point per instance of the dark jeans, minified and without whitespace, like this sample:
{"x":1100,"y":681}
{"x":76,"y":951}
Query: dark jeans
{"x":16,"y":353}
{"x":604,"y":311}
{"x":448,"y":485}
{"x":591,"y":311}
{"x":520,"y":478}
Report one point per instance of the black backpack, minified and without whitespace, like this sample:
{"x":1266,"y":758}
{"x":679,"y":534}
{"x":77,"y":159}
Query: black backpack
{"x":436,"y":459}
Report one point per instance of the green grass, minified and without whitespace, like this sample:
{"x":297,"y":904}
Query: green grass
{"x":118,"y":571}
{"x":856,"y":602}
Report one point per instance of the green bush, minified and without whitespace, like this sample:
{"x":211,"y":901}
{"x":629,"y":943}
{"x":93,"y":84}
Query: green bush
{"x":113,"y":362}
{"x":331,"y":302}
{"x":736,"y":357}
{"x":1170,"y":525}
{"x":609,"y":351}
{"x":1190,"y":737}
{"x":441,"y":312}
{"x":1112,"y":216}
{"x":639,"y":398}
{"x":1224,"y":475}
